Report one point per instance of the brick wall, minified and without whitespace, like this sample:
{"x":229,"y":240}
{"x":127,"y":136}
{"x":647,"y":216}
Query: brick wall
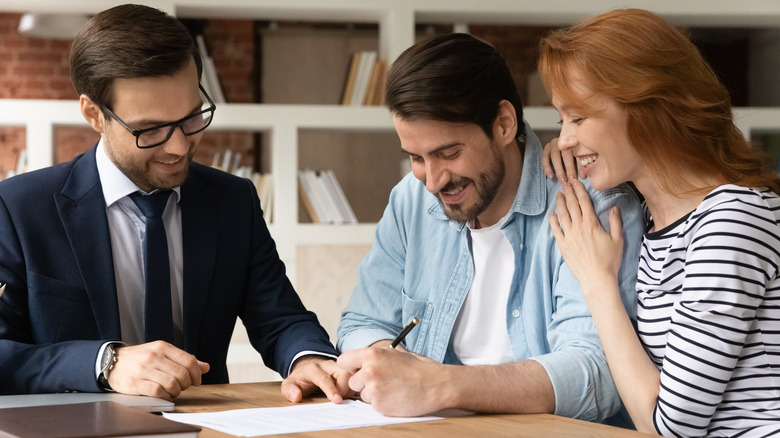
{"x":32,"y":68}
{"x":230,"y":43}
{"x":520,"y":47}
{"x":35,"y":68}
{"x":12,"y":141}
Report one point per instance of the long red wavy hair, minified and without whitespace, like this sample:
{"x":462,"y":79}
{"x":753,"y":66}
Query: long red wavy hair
{"x":679,"y":114}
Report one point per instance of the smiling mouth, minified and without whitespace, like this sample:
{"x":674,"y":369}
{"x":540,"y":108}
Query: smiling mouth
{"x":584,"y":161}
{"x":171,"y":161}
{"x":453,"y":191}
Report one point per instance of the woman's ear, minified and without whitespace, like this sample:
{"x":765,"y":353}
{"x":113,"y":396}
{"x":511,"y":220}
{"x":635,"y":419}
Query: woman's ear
{"x":92,"y":113}
{"x":505,"y":126}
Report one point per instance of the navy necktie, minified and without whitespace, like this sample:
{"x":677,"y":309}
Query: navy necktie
{"x":158,"y":314}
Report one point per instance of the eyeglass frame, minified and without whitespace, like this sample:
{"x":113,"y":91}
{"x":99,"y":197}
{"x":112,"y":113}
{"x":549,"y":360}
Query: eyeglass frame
{"x":173,"y":125}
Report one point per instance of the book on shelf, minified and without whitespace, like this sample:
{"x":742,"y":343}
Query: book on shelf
{"x":365,"y":80}
{"x":375,"y":94}
{"x":346,"y":214}
{"x":349,"y":83}
{"x":308,"y":202}
{"x":381,"y":84}
{"x":209,"y":77}
{"x":84,"y":420}
{"x":21,"y":166}
{"x":21,"y":162}
{"x":230,"y":162}
{"x":265,"y":191}
{"x":367,"y":60}
{"x":323,"y":197}
{"x":312,"y":200}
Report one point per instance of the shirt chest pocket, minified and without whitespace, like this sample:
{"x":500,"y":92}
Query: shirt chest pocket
{"x":422,"y":310}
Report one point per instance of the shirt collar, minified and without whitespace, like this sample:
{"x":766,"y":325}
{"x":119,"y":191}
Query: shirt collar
{"x":116,"y":185}
{"x":531,"y":198}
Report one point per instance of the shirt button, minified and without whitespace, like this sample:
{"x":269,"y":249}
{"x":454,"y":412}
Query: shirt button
{"x":515,"y":313}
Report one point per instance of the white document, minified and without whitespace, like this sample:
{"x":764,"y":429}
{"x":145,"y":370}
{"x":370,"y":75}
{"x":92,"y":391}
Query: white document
{"x":292,"y":419}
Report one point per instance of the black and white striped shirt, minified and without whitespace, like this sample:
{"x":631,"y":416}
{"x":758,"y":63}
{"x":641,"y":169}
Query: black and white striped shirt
{"x":709,"y":316}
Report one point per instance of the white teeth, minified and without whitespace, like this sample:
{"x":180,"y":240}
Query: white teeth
{"x":454,"y":192}
{"x":588,"y":160}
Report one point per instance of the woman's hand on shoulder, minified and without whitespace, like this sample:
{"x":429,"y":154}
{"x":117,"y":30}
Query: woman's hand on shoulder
{"x":591,"y":253}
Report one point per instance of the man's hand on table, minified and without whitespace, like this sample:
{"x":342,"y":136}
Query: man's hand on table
{"x":156,"y":369}
{"x":312,"y":372}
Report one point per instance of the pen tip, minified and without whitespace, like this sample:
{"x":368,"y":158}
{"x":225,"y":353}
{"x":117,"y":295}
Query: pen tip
{"x":415,"y":320}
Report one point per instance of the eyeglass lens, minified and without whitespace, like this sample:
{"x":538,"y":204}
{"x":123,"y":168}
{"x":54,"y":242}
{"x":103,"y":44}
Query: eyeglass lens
{"x":189,"y":126}
{"x":192,"y":125}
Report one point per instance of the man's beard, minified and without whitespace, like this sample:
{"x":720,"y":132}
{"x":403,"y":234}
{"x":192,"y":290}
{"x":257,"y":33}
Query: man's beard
{"x":487,"y":189}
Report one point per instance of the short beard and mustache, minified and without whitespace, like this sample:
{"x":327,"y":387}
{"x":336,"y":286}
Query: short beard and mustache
{"x":138,"y":171}
{"x":489,"y":183}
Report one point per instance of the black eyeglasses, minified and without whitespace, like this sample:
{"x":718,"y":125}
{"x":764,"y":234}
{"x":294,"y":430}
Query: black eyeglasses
{"x":157,"y":135}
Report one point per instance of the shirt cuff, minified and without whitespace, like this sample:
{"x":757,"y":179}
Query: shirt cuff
{"x":362,"y":338}
{"x":583,"y":390}
{"x":308,"y":353}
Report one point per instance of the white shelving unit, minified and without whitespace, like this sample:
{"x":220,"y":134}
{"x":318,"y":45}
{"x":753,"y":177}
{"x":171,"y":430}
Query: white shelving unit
{"x":396,"y":20}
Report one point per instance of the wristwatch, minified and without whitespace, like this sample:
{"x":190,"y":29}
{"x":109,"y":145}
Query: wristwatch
{"x":107,"y":362}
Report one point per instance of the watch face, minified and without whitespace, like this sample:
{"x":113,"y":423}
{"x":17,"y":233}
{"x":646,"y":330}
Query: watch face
{"x":108,"y":353}
{"x":105,"y":364}
{"x":104,"y":360}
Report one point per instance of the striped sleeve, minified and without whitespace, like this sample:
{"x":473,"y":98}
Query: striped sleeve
{"x":731,"y":259}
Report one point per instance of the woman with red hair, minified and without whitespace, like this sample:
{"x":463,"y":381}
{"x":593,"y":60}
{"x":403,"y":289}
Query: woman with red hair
{"x":638,"y":103}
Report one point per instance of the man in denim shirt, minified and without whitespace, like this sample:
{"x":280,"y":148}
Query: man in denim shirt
{"x":465,"y":246}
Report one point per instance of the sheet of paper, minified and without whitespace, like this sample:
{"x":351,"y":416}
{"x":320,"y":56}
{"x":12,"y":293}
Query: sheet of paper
{"x":292,"y":419}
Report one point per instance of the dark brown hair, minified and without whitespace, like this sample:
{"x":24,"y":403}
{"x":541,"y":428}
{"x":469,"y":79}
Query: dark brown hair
{"x":128,"y":41}
{"x":679,"y":114}
{"x":453,"y":78}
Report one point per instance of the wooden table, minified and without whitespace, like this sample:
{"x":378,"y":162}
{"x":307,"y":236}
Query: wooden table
{"x":211,"y":398}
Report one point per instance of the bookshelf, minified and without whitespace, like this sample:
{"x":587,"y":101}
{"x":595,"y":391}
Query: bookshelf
{"x":285,"y":124}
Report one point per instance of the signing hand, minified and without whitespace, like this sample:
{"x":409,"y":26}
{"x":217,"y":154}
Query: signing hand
{"x":396,"y":383}
{"x":563,"y":163}
{"x":590,"y":253}
{"x":312,"y":372}
{"x":156,"y":369}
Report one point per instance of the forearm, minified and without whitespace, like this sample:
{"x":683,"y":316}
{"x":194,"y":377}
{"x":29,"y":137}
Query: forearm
{"x":517,"y":387}
{"x":60,"y":367}
{"x":636,"y":377}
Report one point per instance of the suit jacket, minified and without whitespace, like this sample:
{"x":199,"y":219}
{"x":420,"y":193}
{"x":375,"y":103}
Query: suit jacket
{"x":60,"y":302}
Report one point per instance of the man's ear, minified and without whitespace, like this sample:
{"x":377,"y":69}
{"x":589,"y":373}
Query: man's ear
{"x":505,"y":126}
{"x":92,"y":113}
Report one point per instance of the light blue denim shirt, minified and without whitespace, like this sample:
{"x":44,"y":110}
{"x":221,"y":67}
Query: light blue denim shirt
{"x":420,"y":265}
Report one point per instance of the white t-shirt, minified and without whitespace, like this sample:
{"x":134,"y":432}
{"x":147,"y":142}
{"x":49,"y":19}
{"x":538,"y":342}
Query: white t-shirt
{"x":480,"y":335}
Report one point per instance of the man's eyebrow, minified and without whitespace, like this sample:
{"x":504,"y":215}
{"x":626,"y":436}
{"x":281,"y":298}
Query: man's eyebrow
{"x":437,"y":149}
{"x":153,"y":122}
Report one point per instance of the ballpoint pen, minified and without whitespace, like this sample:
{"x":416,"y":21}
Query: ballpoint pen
{"x":404,"y":332}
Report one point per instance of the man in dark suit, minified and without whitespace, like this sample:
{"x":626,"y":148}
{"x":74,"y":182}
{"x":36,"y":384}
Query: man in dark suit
{"x":76,"y":311}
